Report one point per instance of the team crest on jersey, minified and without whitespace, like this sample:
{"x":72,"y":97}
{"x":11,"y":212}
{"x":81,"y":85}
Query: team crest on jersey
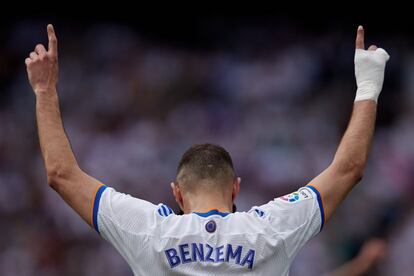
{"x":296,"y":196}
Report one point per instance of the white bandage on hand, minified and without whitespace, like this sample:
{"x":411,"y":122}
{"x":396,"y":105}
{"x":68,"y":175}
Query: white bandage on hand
{"x":369,"y":73}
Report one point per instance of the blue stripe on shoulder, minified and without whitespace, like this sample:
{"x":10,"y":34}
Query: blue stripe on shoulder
{"x":259,"y":212}
{"x":164,"y":210}
{"x":96,"y":206}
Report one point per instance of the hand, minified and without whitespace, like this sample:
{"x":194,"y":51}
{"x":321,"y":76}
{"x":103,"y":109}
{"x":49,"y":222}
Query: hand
{"x":42,"y":66}
{"x":369,"y":68}
{"x":373,"y":251}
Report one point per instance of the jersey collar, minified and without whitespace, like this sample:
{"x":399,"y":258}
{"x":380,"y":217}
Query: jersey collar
{"x":211,"y":212}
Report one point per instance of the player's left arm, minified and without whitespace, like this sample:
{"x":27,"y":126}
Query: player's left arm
{"x":348,"y":165}
{"x":63,"y":173}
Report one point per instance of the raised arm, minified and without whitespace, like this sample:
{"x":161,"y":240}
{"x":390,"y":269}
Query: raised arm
{"x":63,"y":173}
{"x":347,"y":168}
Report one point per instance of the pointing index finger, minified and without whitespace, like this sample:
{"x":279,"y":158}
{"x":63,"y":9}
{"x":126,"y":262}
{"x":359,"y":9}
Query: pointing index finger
{"x":359,"y":42}
{"x":52,"y":40}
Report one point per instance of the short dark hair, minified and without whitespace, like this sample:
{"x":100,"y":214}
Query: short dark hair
{"x":206,"y":162}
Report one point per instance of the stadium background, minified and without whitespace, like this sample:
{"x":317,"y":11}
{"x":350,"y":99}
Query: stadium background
{"x":276,"y":91}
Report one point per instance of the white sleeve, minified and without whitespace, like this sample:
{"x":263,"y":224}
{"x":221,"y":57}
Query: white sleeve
{"x":296,"y":217}
{"x":122,"y":219}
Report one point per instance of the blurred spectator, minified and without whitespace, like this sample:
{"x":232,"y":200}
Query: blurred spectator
{"x":370,"y":254}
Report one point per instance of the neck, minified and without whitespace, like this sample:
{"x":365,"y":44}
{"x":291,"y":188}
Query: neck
{"x":204,"y":204}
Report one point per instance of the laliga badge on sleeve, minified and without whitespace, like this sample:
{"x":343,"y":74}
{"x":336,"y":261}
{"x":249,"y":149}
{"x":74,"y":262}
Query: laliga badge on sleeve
{"x":300,"y":195}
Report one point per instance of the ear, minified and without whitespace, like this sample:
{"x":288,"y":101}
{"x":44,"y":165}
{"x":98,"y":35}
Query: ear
{"x":236,"y":188}
{"x":177,"y":194}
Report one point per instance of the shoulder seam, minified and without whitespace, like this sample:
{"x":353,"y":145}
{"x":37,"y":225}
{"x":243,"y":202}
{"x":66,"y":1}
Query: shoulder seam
{"x":116,"y":222}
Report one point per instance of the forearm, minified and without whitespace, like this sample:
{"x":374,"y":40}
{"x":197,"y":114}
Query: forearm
{"x":63,"y":172}
{"x":353,"y":150}
{"x":348,"y":165}
{"x":56,"y":150}
{"x":353,"y":268}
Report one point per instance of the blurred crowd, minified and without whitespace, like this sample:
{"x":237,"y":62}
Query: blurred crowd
{"x":132,"y":105}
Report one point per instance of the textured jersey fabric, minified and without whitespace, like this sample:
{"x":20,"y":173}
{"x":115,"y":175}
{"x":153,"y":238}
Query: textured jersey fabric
{"x":155,"y":241}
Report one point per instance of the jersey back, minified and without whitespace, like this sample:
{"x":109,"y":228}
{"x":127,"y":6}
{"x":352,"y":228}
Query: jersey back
{"x":155,"y":241}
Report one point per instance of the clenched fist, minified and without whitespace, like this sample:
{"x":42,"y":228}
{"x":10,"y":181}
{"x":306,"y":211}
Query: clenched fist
{"x":42,"y":65}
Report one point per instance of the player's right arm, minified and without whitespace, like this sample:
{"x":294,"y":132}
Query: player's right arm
{"x":63,"y":173}
{"x":348,"y":165}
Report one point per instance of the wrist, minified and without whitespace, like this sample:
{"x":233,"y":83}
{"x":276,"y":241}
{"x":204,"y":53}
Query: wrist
{"x":41,"y":91}
{"x":367,"y":91}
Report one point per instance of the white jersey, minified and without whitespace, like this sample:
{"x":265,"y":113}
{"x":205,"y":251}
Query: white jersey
{"x":155,"y":241}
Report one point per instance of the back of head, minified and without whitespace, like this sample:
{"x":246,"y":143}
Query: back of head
{"x":207,"y":168}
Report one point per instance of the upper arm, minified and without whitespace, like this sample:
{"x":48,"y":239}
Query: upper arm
{"x":295,"y":218}
{"x":78,"y":189}
{"x":126,"y":222}
{"x":334,"y":184}
{"x":117,"y":217}
{"x":106,"y":210}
